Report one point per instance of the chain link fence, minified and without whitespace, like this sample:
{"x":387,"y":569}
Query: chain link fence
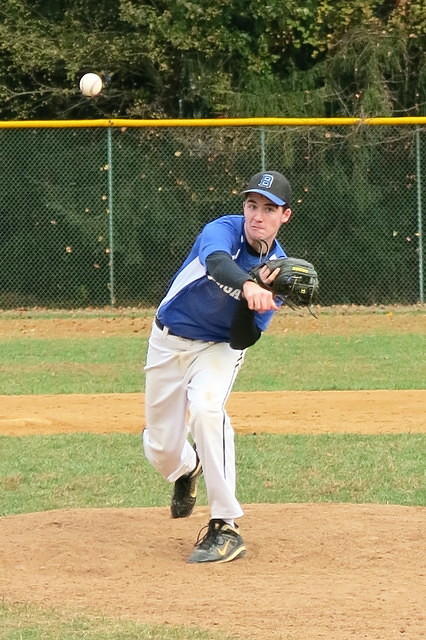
{"x":98,"y":216}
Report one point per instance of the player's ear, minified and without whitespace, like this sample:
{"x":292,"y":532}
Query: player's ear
{"x":286,"y":215}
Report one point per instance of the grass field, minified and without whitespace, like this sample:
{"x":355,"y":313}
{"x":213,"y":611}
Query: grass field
{"x":46,"y":472}
{"x":115,"y":364}
{"x":39,"y":473}
{"x":22,"y":622}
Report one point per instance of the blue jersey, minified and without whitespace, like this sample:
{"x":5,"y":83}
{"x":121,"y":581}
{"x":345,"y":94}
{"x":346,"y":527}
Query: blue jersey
{"x":195,"y":305}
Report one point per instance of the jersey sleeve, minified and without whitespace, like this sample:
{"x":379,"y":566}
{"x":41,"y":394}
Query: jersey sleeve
{"x":243,"y":332}
{"x":219,"y":235}
{"x":222,"y":268}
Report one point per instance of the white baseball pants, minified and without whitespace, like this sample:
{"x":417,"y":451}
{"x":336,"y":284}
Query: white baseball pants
{"x":187,"y":385}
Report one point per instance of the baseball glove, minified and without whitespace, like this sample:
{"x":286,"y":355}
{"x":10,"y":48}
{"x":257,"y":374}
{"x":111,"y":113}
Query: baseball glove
{"x":296,"y":284}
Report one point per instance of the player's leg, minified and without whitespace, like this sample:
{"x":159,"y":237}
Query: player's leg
{"x":212,"y":375}
{"x":165,"y":434}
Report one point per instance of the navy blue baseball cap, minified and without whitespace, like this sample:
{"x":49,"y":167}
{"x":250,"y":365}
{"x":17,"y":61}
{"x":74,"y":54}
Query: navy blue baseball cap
{"x":271,"y":184}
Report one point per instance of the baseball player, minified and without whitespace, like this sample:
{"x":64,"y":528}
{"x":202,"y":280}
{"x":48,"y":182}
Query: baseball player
{"x":213,"y":310}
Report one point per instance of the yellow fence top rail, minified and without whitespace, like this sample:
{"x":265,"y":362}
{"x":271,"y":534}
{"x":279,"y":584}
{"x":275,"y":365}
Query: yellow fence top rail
{"x":211,"y":122}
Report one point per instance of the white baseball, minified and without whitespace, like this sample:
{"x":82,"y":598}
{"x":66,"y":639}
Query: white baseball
{"x":91,"y":84}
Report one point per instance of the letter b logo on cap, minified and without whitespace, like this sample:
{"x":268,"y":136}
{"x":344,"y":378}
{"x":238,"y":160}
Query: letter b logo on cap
{"x":266,"y":181}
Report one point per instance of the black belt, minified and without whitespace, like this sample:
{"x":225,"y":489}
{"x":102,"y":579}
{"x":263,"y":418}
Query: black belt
{"x":159,"y":324}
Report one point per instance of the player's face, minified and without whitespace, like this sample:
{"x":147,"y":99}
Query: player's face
{"x":263,"y":219}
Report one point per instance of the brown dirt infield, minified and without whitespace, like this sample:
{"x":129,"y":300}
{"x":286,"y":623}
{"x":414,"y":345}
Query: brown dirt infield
{"x":312,"y":571}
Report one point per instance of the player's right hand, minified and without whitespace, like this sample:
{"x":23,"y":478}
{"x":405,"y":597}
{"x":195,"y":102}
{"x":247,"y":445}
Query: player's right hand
{"x":258,"y":298}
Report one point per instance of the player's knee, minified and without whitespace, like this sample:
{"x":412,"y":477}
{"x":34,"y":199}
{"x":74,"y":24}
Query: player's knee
{"x":162,"y":456}
{"x":200,"y":413}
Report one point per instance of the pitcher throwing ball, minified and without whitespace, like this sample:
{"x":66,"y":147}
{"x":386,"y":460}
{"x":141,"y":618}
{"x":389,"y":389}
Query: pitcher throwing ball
{"x":213,"y":310}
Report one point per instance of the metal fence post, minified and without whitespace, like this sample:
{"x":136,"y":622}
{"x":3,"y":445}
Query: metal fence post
{"x":262,"y":149}
{"x":419,"y":215}
{"x":110,"y":219}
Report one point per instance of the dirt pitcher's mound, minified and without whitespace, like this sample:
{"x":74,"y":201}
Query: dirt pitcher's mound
{"x":332,"y":571}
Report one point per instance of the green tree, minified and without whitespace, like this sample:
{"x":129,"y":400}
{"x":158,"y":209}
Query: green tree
{"x":197,"y":58}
